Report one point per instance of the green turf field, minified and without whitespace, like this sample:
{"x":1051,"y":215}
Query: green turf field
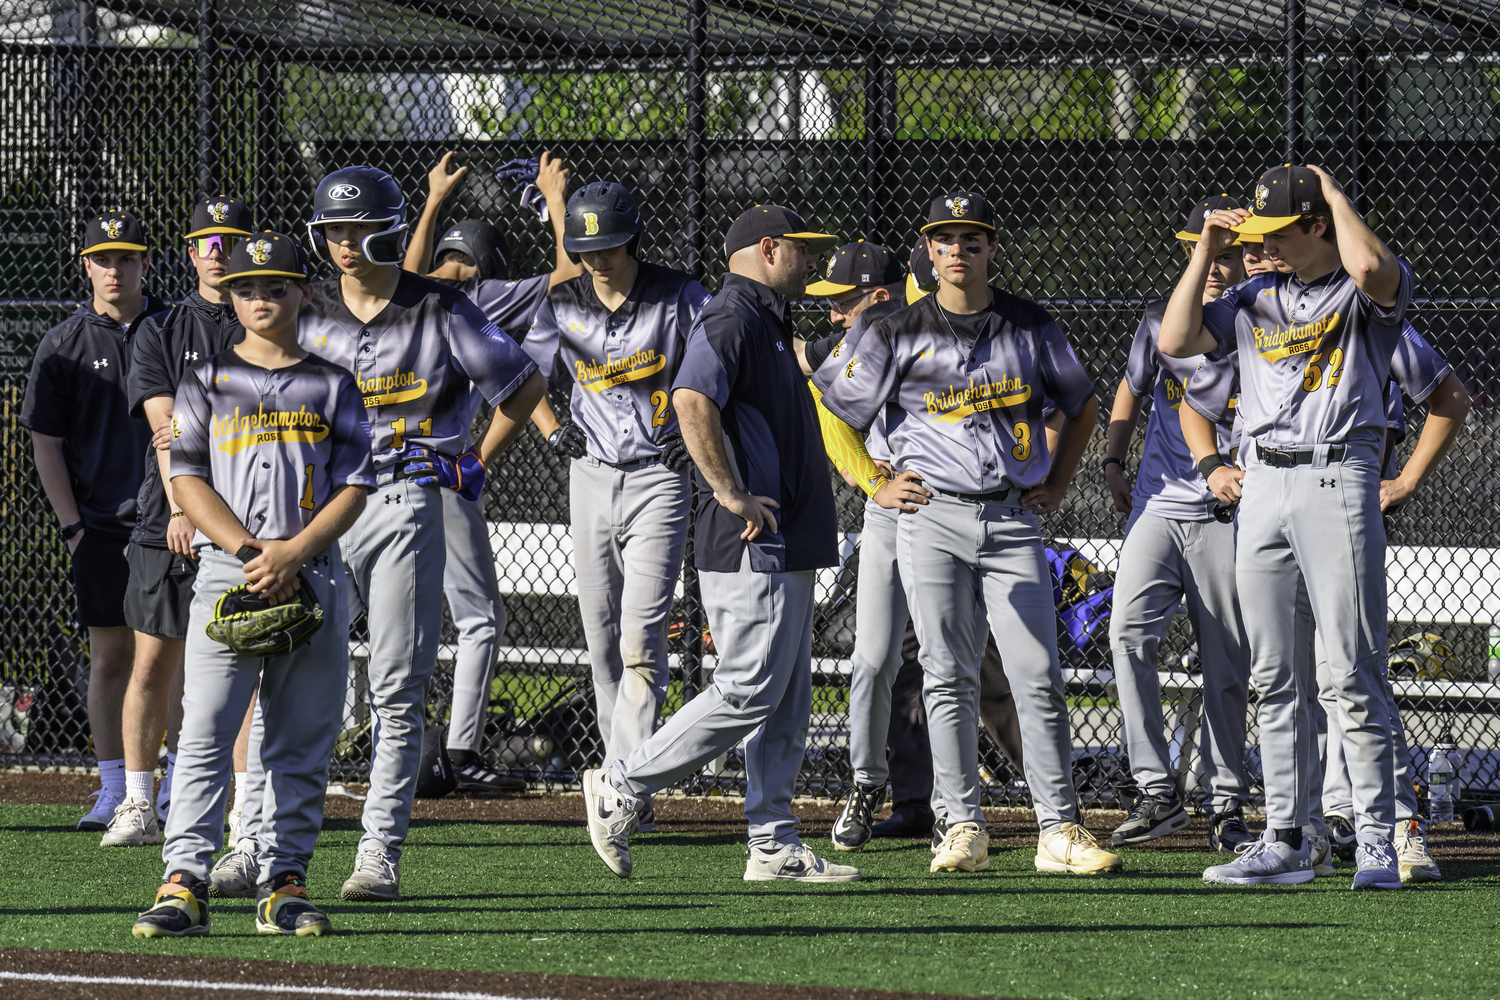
{"x":535,"y":899}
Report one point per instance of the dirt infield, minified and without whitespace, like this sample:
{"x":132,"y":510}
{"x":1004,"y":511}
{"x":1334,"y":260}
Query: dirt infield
{"x":142,"y":975}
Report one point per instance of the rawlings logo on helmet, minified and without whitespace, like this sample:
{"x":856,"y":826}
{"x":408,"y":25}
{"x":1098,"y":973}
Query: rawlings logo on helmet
{"x":1261,"y":194}
{"x":218,"y":211}
{"x":113,"y":228}
{"x":343,"y":192}
{"x":259,"y":251}
{"x":958,"y":205}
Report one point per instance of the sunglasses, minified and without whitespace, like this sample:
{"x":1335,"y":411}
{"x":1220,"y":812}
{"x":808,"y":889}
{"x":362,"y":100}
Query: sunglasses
{"x":222,"y":242}
{"x":848,"y":302}
{"x":249,"y":290}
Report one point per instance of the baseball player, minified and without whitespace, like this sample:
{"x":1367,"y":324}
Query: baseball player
{"x":968,"y":367}
{"x":271,"y":460}
{"x":1176,"y":552}
{"x":470,"y":255}
{"x":88,"y":457}
{"x":160,"y":554}
{"x":765,"y":525}
{"x":619,"y":332}
{"x":415,"y":346}
{"x":1315,"y":351}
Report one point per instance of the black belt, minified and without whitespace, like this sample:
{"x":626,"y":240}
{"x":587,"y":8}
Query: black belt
{"x":997,"y":496}
{"x":1290,"y":458}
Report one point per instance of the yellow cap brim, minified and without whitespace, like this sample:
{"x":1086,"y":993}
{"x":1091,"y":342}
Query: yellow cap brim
{"x":262,"y":274}
{"x":956,"y":222}
{"x":215,"y":230}
{"x":825,"y":288}
{"x":1259,"y":225}
{"x":1188,"y":237}
{"x":816,"y":242}
{"x":914,"y":291}
{"x":112,"y":246}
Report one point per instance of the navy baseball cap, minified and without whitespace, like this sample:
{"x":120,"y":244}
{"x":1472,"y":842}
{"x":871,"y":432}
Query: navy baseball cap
{"x":755,"y":224}
{"x":922,"y":278}
{"x":1283,"y":195}
{"x":961,"y":206}
{"x":113,"y":231}
{"x":858,"y":265}
{"x":1192,"y":229}
{"x":220,"y":214}
{"x":266,"y":255}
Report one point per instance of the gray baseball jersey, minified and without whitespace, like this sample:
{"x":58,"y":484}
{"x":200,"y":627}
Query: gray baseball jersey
{"x":1167,"y":484}
{"x":875,"y":435}
{"x":274,"y":444}
{"x":971,"y":414}
{"x":1314,"y":357}
{"x":622,"y":362}
{"x":510,"y":305}
{"x":414,"y":362}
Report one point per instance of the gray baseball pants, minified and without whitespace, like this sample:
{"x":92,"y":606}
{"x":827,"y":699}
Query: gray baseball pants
{"x":880,"y":618}
{"x":395,"y":554}
{"x":1318,"y":523}
{"x":478,"y":614}
{"x":959,"y":562}
{"x":301,"y":702}
{"x":630,"y":525}
{"x":1162,"y":562}
{"x":762,"y":627}
{"x":1337,"y":792}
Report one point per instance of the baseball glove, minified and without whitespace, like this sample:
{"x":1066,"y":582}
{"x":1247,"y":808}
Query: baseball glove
{"x":249,"y":625}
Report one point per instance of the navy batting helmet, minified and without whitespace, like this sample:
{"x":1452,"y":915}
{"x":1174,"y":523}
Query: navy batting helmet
{"x":363,"y":194}
{"x":601,"y":215}
{"x":479,"y":240}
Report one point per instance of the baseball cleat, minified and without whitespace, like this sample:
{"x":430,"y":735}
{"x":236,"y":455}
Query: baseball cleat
{"x":232,"y":828}
{"x":1319,"y":854}
{"x":1377,"y":867}
{"x":1151,"y":817}
{"x":1227,"y":830}
{"x":964,"y":848}
{"x":1416,"y":865}
{"x":180,"y":910}
{"x":939,"y":832}
{"x":234,"y":876}
{"x":281,"y":907}
{"x":1341,"y":836}
{"x":1264,"y":862}
{"x":856,"y":821}
{"x":611,"y":821}
{"x":907,"y":821}
{"x":1072,"y":849}
{"x":475,"y":777}
{"x":794,"y":863}
{"x":133,"y":825}
{"x":376,"y":879}
{"x":98,"y":818}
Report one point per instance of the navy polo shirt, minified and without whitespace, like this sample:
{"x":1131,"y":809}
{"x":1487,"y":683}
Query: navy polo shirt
{"x":739,"y":354}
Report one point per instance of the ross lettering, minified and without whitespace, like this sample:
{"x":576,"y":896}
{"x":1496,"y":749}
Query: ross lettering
{"x":237,"y":431}
{"x":1299,"y":338}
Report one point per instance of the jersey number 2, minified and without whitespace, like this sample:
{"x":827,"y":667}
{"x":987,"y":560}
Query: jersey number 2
{"x":307,"y":496}
{"x":660,"y":400}
{"x":398,"y":430}
{"x":1314,"y":376}
{"x":1022,"y":451}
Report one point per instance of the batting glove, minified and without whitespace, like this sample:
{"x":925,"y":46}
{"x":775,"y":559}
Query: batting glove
{"x":674,"y":453}
{"x":464,"y":474}
{"x":524,"y":172}
{"x":568,"y":441}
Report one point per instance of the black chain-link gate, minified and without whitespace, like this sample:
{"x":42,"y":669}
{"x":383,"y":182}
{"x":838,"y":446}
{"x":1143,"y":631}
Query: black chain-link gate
{"x":1089,"y":124}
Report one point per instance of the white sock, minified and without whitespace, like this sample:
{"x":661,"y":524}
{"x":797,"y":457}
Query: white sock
{"x":166,"y":783}
{"x":112,"y":777}
{"x":240,"y":778}
{"x":139,"y":784}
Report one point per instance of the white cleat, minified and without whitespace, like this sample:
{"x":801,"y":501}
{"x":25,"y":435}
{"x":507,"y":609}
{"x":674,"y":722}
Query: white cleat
{"x":1265,"y":862}
{"x":794,"y":863}
{"x":133,"y":825}
{"x":611,"y":821}
{"x":1415,"y":863}
{"x":964,"y":848}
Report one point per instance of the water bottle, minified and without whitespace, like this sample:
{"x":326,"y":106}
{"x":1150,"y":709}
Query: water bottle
{"x":1494,"y":661}
{"x":1440,"y":790}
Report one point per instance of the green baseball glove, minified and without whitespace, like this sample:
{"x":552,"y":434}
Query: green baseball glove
{"x":247,"y":624}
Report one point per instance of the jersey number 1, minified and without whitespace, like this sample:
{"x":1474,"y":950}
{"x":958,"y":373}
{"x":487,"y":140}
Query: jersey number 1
{"x":398,"y":430}
{"x":307,"y":494}
{"x":660,"y":400}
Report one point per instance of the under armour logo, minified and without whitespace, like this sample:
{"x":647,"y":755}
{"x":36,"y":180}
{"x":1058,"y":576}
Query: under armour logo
{"x":101,"y":363}
{"x":780,"y":346}
{"x":1326,"y":483}
{"x":319,"y":560}
{"x":190,"y":355}
{"x":393,"y":498}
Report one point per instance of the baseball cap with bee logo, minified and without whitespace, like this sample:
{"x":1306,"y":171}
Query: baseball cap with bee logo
{"x":1283,"y":195}
{"x":858,"y":265}
{"x":964,"y":207}
{"x":220,"y":214}
{"x":922,"y":279}
{"x":112,"y":231}
{"x":266,"y":254}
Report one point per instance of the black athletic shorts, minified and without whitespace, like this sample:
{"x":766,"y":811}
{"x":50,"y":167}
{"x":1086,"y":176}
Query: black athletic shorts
{"x":100,"y":579}
{"x":161,"y":591}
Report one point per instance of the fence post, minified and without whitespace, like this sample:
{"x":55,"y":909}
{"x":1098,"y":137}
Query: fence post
{"x":879,"y":112}
{"x":696,"y":126}
{"x":208,"y":50}
{"x":1296,"y":26}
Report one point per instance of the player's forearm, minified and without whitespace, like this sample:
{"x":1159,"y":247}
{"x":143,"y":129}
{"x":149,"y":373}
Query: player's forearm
{"x":1182,"y":334}
{"x":563,"y":268}
{"x":418,"y":259}
{"x":546,"y":421}
{"x":1198,"y":432}
{"x":1123,"y":415}
{"x":1054,"y":425}
{"x":209,"y":513}
{"x":52,"y":470}
{"x":510,"y":416}
{"x":1449,"y":409}
{"x":702,"y":431}
{"x":158,"y":411}
{"x":336,"y":516}
{"x":1071,"y":442}
{"x":1364,"y":255}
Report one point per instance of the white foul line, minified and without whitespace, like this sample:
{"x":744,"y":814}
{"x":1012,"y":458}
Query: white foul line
{"x":201,"y":984}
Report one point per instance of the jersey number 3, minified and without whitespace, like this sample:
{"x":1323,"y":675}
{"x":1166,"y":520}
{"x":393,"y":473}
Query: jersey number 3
{"x":398,"y":430}
{"x":660,"y":400}
{"x":1022,"y":451}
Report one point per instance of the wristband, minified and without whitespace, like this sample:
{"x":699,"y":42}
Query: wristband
{"x":246,"y":553}
{"x":180,"y":513}
{"x":1209,"y":464}
{"x":71,"y":530}
{"x":1112,"y":461}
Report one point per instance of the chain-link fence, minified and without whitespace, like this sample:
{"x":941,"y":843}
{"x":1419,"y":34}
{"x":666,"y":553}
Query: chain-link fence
{"x":1089,"y":124}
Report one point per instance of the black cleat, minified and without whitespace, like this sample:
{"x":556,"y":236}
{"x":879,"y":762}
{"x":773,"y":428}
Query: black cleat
{"x":475,"y":777}
{"x":1341,"y":837}
{"x":852,"y":829}
{"x":1153,"y":816}
{"x":180,"y":910}
{"x":1227,"y":830}
{"x":281,"y":907}
{"x":907,"y":821}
